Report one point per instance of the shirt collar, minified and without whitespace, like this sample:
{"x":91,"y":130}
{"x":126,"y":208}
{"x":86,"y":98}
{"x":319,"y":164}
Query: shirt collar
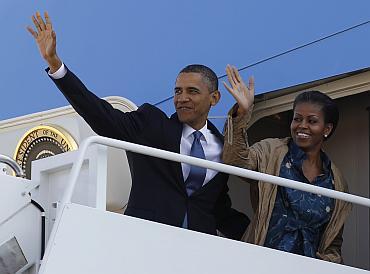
{"x":297,"y":156}
{"x":187,"y":132}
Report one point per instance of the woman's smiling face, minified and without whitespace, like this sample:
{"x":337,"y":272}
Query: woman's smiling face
{"x":308,"y":126}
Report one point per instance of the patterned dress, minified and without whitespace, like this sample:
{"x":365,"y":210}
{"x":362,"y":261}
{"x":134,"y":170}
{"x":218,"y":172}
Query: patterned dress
{"x":299,"y":218}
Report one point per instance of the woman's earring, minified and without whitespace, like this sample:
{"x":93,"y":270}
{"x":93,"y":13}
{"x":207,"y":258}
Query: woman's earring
{"x":326,"y":135}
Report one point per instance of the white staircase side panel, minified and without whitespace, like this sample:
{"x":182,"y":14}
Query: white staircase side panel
{"x":25,"y":226}
{"x":13,"y":196}
{"x":51,"y":176}
{"x":91,"y":241}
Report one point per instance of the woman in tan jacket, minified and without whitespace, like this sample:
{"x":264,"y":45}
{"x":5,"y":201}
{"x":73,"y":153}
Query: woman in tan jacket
{"x":287,"y":219}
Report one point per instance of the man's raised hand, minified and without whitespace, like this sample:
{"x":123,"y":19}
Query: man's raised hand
{"x":244,"y":95}
{"x":46,"y":40}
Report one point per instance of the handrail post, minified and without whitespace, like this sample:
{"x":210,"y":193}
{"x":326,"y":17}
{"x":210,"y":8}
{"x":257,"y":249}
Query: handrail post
{"x":76,"y":170}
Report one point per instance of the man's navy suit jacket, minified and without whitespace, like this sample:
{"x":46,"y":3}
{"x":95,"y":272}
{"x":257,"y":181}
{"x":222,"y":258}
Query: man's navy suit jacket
{"x":158,"y":191}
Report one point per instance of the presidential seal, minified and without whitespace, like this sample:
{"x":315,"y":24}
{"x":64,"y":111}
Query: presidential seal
{"x":41,"y":142}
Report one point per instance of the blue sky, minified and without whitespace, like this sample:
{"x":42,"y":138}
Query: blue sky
{"x":135,"y":49}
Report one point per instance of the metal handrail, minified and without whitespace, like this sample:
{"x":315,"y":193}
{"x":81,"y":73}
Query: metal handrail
{"x":202,"y":163}
{"x":13,"y":164}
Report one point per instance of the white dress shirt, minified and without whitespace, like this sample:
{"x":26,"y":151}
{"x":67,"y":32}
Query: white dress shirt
{"x":212,"y":147}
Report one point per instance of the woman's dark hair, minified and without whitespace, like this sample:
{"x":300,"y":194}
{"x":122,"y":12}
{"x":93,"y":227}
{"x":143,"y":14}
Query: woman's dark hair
{"x":328,"y":106}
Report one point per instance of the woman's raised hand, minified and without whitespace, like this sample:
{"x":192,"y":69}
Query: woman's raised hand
{"x":243,"y":94}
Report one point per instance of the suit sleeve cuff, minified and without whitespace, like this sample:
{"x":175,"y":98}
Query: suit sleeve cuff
{"x":60,"y":73}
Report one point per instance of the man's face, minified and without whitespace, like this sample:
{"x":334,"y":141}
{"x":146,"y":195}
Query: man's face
{"x":193,"y":99}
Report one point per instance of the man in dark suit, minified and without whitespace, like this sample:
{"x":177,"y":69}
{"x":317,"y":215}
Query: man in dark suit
{"x":162,"y":191}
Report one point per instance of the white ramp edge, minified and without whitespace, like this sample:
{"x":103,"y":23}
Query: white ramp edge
{"x":89,"y":240}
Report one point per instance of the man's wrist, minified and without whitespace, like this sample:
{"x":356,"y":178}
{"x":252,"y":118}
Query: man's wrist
{"x":54,"y":63}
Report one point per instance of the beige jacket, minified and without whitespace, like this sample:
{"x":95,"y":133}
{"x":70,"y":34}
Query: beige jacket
{"x":266,"y":156}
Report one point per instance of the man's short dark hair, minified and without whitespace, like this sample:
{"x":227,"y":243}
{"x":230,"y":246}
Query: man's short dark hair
{"x":328,"y":106}
{"x":208,"y":75}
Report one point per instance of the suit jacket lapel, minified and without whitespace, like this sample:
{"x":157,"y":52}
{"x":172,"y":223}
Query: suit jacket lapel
{"x":174,"y":139}
{"x":215,"y":131}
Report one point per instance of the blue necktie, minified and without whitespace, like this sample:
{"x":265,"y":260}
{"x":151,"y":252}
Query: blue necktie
{"x":197,"y":174}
